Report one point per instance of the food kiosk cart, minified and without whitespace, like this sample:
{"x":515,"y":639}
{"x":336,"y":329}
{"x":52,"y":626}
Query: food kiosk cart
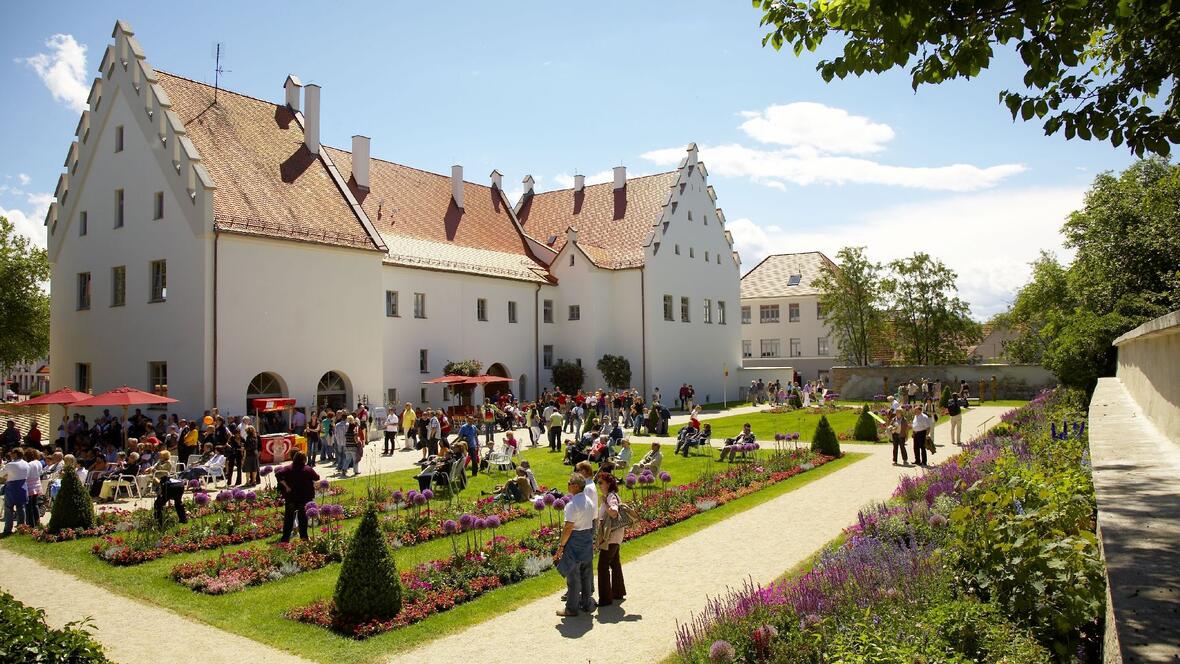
{"x":277,"y":447}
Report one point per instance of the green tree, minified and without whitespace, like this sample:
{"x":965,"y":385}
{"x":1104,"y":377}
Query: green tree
{"x":824,"y":439}
{"x":72,"y":508}
{"x":850,"y":294}
{"x":568,"y":376}
{"x":24,"y":304}
{"x":1036,"y":306}
{"x":463,"y":368}
{"x":932,"y":325}
{"x":616,"y":370}
{"x":369,"y":586}
{"x":1093,"y":69}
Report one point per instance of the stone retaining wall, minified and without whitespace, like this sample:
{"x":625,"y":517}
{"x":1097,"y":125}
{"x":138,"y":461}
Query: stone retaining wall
{"x":1011,"y":381}
{"x":1149,"y":367}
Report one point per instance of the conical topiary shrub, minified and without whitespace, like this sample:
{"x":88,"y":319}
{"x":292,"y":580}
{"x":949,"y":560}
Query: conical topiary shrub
{"x":72,"y":508}
{"x":866,"y":427}
{"x":368,"y":587}
{"x":945,"y":398}
{"x":824,"y":439}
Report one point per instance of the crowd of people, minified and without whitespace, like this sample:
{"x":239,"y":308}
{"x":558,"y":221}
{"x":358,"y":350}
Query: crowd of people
{"x":778,"y":393}
{"x":913,"y":411}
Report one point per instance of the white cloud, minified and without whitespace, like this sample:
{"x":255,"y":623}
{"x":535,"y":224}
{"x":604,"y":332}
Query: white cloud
{"x":24,"y":179}
{"x":63,"y":70}
{"x":805,"y":166}
{"x":30,"y":223}
{"x":808,"y":124}
{"x":989,"y":239}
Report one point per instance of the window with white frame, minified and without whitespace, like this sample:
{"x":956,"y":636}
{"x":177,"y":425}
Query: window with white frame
{"x":745,"y":315}
{"x":547,"y":311}
{"x":158,"y":206}
{"x":159,"y":271}
{"x":747,"y":346}
{"x":423,"y":361}
{"x":83,"y":290}
{"x":511,"y":311}
{"x":391,"y":304}
{"x":446,"y":394}
{"x":669,"y":313}
{"x":119,"y":138}
{"x":769,"y":348}
{"x":721,"y":312}
{"x":422,"y":396}
{"x":768,"y":313}
{"x":547,"y":356}
{"x":391,"y":397}
{"x":82,"y":376}
{"x":819,"y":311}
{"x":677,"y":249}
{"x":481,"y":309}
{"x":684,"y":312}
{"x":158,"y":378}
{"x":707,"y":311}
{"x":575,"y":312}
{"x":83,"y":222}
{"x":796,"y":348}
{"x":706,"y":256}
{"x":793,"y":312}
{"x":118,"y":286}
{"x":119,"y":208}
{"x":822,"y":347}
{"x":419,"y":305}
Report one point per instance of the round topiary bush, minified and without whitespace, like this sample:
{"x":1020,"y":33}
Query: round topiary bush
{"x":368,"y":587}
{"x":866,"y":427}
{"x":72,"y":508}
{"x":824,"y":439}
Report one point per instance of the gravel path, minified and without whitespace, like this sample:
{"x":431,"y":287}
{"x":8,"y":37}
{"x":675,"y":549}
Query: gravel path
{"x":673,"y":582}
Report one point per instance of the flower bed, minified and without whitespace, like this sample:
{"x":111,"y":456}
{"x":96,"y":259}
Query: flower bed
{"x":249,"y":567}
{"x":989,"y":556}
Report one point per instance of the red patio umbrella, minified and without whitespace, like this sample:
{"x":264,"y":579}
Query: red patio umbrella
{"x":125,"y":397}
{"x":446,"y":380}
{"x":483,"y":380}
{"x":65,"y":397}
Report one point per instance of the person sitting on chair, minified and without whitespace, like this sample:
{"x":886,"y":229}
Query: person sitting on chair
{"x":731,"y":444}
{"x":651,"y":461}
{"x":516,"y":489}
{"x":693,"y":439}
{"x":447,"y":456}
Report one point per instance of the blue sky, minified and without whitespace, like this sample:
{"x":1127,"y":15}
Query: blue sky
{"x":551,"y":89}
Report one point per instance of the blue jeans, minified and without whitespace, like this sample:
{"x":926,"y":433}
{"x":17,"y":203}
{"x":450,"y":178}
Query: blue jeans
{"x":579,"y":582}
{"x":15,"y":499}
{"x":489,"y":428}
{"x":348,"y":460}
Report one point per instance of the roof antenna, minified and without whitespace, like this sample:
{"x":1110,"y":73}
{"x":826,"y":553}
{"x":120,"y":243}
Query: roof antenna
{"x":217,"y":72}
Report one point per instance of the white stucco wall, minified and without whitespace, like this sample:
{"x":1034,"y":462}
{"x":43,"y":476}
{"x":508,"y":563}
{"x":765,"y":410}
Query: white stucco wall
{"x":694,"y":352}
{"x":119,"y":342}
{"x":808,"y":329}
{"x":297,"y":310}
{"x":452,"y":330}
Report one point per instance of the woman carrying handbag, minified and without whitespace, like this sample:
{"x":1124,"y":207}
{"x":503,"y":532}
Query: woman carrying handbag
{"x":611,"y":528}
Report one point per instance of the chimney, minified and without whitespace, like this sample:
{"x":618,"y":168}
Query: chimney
{"x":360,"y":160}
{"x":293,"y":87}
{"x":693,"y":154}
{"x":579,"y":183}
{"x":311,"y":118}
{"x":620,"y":177}
{"x":498,"y":180}
{"x":457,"y":185}
{"x":528,"y":184}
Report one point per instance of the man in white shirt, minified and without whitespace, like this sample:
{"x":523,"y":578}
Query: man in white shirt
{"x":575,"y":552}
{"x":16,"y":475}
{"x":921,"y":425}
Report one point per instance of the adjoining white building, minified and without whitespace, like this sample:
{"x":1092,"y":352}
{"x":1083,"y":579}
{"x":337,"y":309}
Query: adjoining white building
{"x":206,"y":244}
{"x":782,"y":321}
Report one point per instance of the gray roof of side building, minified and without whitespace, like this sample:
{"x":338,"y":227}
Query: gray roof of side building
{"x":772,"y":277}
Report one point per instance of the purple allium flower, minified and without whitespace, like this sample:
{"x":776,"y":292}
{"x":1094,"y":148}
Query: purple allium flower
{"x":548,"y":498}
{"x":194,"y":484}
{"x":559,"y":504}
{"x":630,"y":480}
{"x":311,"y":512}
{"x":538,"y":504}
{"x":466,"y":520}
{"x":251,"y":496}
{"x":338,"y":510}
{"x":428,"y":494}
{"x":492,"y":521}
{"x":225,"y":496}
{"x":937,"y":520}
{"x":201,"y":498}
{"x":567,"y":498}
{"x":450,"y":527}
{"x":239,"y":494}
{"x":311,"y":505}
{"x":480,"y":523}
{"x":397,"y":496}
{"x":266,"y":470}
{"x":722,"y":651}
{"x":411,"y":495}
{"x":322,"y":485}
{"x":665,"y":476}
{"x":420,"y":499}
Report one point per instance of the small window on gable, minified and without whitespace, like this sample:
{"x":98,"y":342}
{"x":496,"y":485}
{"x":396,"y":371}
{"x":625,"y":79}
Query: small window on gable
{"x":705,"y":218}
{"x":119,"y":138}
{"x":682,"y":186}
{"x":690,"y":215}
{"x":158,"y":206}
{"x":794,"y":280}
{"x":571,"y":260}
{"x":677,"y":247}
{"x":706,"y":257}
{"x":719,"y":259}
{"x":692,"y":253}
{"x":552,"y":239}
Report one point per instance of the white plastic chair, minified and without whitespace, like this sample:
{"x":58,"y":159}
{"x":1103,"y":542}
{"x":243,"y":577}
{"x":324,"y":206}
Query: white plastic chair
{"x":501,"y":461}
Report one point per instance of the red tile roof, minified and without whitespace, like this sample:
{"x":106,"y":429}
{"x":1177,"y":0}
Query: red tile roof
{"x":267,"y":181}
{"x":613,"y":225}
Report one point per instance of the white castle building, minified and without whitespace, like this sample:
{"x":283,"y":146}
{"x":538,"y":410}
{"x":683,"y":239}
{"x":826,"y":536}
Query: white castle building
{"x":783,"y":325}
{"x":212,"y":247}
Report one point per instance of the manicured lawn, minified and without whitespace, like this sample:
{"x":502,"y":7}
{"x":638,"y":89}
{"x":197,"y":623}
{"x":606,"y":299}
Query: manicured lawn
{"x":257,"y":612}
{"x":766,"y":425}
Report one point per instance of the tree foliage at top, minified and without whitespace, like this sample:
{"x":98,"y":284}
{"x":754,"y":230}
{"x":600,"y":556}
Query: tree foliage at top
{"x":1093,"y":68}
{"x":1126,"y":271}
{"x":932,"y":324}
{"x":850,"y":294}
{"x":568,"y":376}
{"x":463,"y":368}
{"x":616,"y":370}
{"x":24,"y":305}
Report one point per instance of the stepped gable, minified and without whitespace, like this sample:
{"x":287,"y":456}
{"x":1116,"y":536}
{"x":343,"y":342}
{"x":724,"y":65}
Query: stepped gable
{"x":613,"y":224}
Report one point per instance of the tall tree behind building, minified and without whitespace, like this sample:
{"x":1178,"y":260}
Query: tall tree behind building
{"x":850,"y":294}
{"x":24,"y":303}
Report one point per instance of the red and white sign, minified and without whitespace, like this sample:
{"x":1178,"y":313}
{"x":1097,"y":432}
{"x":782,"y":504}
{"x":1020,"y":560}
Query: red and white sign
{"x":277,"y":403}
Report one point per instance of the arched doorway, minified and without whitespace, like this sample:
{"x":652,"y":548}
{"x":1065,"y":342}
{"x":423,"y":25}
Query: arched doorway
{"x":494,"y":390}
{"x":266,"y":385}
{"x":332,"y":392}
